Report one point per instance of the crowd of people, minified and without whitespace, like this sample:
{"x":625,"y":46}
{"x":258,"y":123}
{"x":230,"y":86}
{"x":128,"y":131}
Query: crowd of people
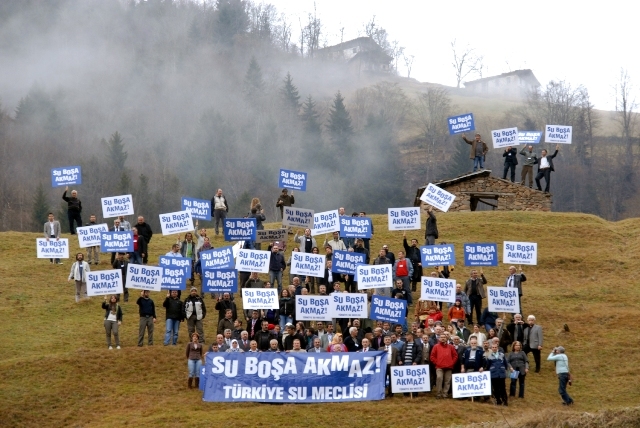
{"x":447,"y":339}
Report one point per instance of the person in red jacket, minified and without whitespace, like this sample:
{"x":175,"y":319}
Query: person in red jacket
{"x":456,"y":312}
{"x":444,"y":357}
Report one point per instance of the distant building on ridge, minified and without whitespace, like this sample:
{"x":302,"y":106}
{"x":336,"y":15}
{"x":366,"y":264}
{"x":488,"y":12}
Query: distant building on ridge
{"x":515,"y":84}
{"x":361,"y":54}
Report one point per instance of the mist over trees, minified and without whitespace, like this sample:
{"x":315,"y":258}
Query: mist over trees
{"x":163,"y":99}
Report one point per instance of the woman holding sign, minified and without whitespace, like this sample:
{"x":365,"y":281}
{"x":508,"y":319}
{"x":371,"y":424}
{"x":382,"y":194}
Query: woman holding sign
{"x":112,"y":319}
{"x":497,"y":364}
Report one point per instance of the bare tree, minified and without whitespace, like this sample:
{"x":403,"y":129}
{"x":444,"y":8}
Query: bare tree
{"x":408,"y":62}
{"x":397,"y":51}
{"x":311,"y":33}
{"x":283,"y":33}
{"x":625,"y":106}
{"x":465,"y":62}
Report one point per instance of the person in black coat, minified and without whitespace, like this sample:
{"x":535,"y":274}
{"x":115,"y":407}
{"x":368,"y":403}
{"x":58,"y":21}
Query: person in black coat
{"x":431,"y":234}
{"x":545,"y":166}
{"x":510,"y":156}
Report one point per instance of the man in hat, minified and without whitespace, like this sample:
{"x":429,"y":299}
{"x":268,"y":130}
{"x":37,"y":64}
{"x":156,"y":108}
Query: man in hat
{"x":194,"y":312}
{"x":562,"y":371}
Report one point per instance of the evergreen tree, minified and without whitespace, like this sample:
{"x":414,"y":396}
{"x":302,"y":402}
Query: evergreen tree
{"x":117,"y":155}
{"x":310,"y":117}
{"x":459,"y":163}
{"x":124,"y":185}
{"x":290,"y":94}
{"x":341,"y":133}
{"x":143,"y":196}
{"x":253,"y":82}
{"x":231,"y":21}
{"x":40,"y":208}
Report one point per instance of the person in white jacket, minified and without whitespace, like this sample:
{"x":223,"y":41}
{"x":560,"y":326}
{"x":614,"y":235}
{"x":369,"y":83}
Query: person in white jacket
{"x":78,"y":273}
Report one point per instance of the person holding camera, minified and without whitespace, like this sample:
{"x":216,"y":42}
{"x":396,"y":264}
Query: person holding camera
{"x":562,"y":371}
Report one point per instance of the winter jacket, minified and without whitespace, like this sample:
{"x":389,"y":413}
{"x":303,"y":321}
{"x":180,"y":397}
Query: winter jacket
{"x":497,"y":364}
{"x":194,"y":305}
{"x":145,"y":230}
{"x":510,"y":157}
{"x":432,"y":226}
{"x":444,"y":356}
{"x":287,"y":307}
{"x":473,"y":143}
{"x":106,"y":307}
{"x":174,"y":308}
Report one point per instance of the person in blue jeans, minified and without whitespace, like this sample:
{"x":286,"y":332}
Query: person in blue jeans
{"x":194,"y":360}
{"x":174,"y":312}
{"x":479,"y":150}
{"x":277,"y":265}
{"x":562,"y":370}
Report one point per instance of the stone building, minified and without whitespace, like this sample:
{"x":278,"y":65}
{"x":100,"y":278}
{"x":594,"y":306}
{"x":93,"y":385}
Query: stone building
{"x":478,"y":190}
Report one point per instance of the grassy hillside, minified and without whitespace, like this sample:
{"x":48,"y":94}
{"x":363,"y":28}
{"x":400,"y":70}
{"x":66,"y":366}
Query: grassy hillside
{"x":56,"y":370}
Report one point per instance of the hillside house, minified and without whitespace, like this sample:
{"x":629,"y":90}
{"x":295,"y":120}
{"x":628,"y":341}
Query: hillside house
{"x":515,"y":84}
{"x":361,"y":54}
{"x":477,"y":190}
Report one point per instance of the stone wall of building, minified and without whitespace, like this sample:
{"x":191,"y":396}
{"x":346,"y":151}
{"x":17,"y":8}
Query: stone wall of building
{"x":512,"y":196}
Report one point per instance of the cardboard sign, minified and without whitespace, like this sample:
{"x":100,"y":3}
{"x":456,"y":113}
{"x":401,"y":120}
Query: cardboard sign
{"x":559,"y":134}
{"x":410,"y":378}
{"x":260,"y":298}
{"x":438,"y":255}
{"x":346,"y":261}
{"x":349,"y":305}
{"x":503,"y":299}
{"x":307,"y":264}
{"x":520,"y":253}
{"x":52,"y":249}
{"x":240,"y":229}
{"x":66,"y":176}
{"x":90,"y":236}
{"x":297,"y":217}
{"x":175,"y":272}
{"x":529,"y":137}
{"x":313,"y":308}
{"x":116,"y":242}
{"x":253,"y":261}
{"x":435,"y":196}
{"x":355,"y":227}
{"x":217,"y":258}
{"x":220,"y":281}
{"x":177,"y":222}
{"x":295,"y":180}
{"x":480,"y":254}
{"x":115,"y":206}
{"x":199,"y":208}
{"x":474,"y":384}
{"x":142,"y":277}
{"x":461,"y":123}
{"x":505,"y":138}
{"x":438,"y":289}
{"x":404,"y":218}
{"x":325,"y":222}
{"x":379,"y":276}
{"x":388,"y":309}
{"x":271,"y":235}
{"x":104,"y":282}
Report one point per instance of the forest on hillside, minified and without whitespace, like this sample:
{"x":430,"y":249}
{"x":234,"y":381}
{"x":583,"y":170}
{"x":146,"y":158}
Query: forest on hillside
{"x":163,"y":99}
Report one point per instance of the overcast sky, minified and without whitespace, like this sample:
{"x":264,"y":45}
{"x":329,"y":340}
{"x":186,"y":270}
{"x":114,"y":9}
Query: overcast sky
{"x":582,"y":43}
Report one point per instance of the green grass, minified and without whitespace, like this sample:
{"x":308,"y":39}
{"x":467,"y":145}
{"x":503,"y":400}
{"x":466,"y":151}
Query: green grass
{"x":56,"y":370}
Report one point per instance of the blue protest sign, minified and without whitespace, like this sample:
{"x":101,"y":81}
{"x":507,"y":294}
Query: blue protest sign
{"x":437,"y":255}
{"x":217,"y":258}
{"x":220,"y":281}
{"x":355,"y":227}
{"x":240,"y":229}
{"x":275,"y":377}
{"x":175,"y":272}
{"x":529,"y":137}
{"x":295,"y":180}
{"x":66,"y":176}
{"x":116,"y":242}
{"x":388,"y":309}
{"x":199,"y":208}
{"x":480,"y":254}
{"x":461,"y":123}
{"x":346,"y":262}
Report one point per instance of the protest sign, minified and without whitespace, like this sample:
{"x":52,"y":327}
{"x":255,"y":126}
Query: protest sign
{"x":505,"y":137}
{"x":199,"y":208}
{"x":313,"y":308}
{"x":220,"y":281}
{"x":177,"y":222}
{"x":559,"y":134}
{"x":461,"y":123}
{"x":307,"y":264}
{"x":260,"y":298}
{"x":404,"y":218}
{"x":410,"y":379}
{"x":116,"y":242}
{"x":388,"y":309}
{"x":240,"y":229}
{"x":529,"y":137}
{"x":292,"y":180}
{"x":355,"y":227}
{"x":115,"y":206}
{"x":175,"y":272}
{"x":325,"y":222}
{"x":480,"y":254}
{"x":142,"y":277}
{"x":349,"y":305}
{"x":89,"y":236}
{"x":520,"y":253}
{"x":253,"y":261}
{"x":377,"y":276}
{"x":104,"y":282}
{"x":474,"y":384}
{"x":236,"y":248}
{"x":294,"y":377}
{"x":346,"y":261}
{"x":438,"y":255}
{"x":435,"y":196}
{"x":438,"y":289}
{"x":52,"y":249}
{"x":503,"y":299}
{"x":271,"y":235}
{"x":217,"y":258}
{"x":297,"y":217}
{"x":66,"y":176}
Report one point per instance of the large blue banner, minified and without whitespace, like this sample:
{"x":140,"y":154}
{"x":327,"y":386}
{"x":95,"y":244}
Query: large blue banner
{"x":116,"y":242}
{"x":355,"y":227}
{"x":480,"y":254}
{"x":240,"y":229}
{"x":388,"y":309}
{"x":199,"y":208}
{"x":278,"y":377}
{"x":217,"y":258}
{"x":346,"y":262}
{"x":437,"y":255}
{"x":461,"y":123}
{"x":175,"y":272}
{"x":295,"y":180}
{"x":220,"y":281}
